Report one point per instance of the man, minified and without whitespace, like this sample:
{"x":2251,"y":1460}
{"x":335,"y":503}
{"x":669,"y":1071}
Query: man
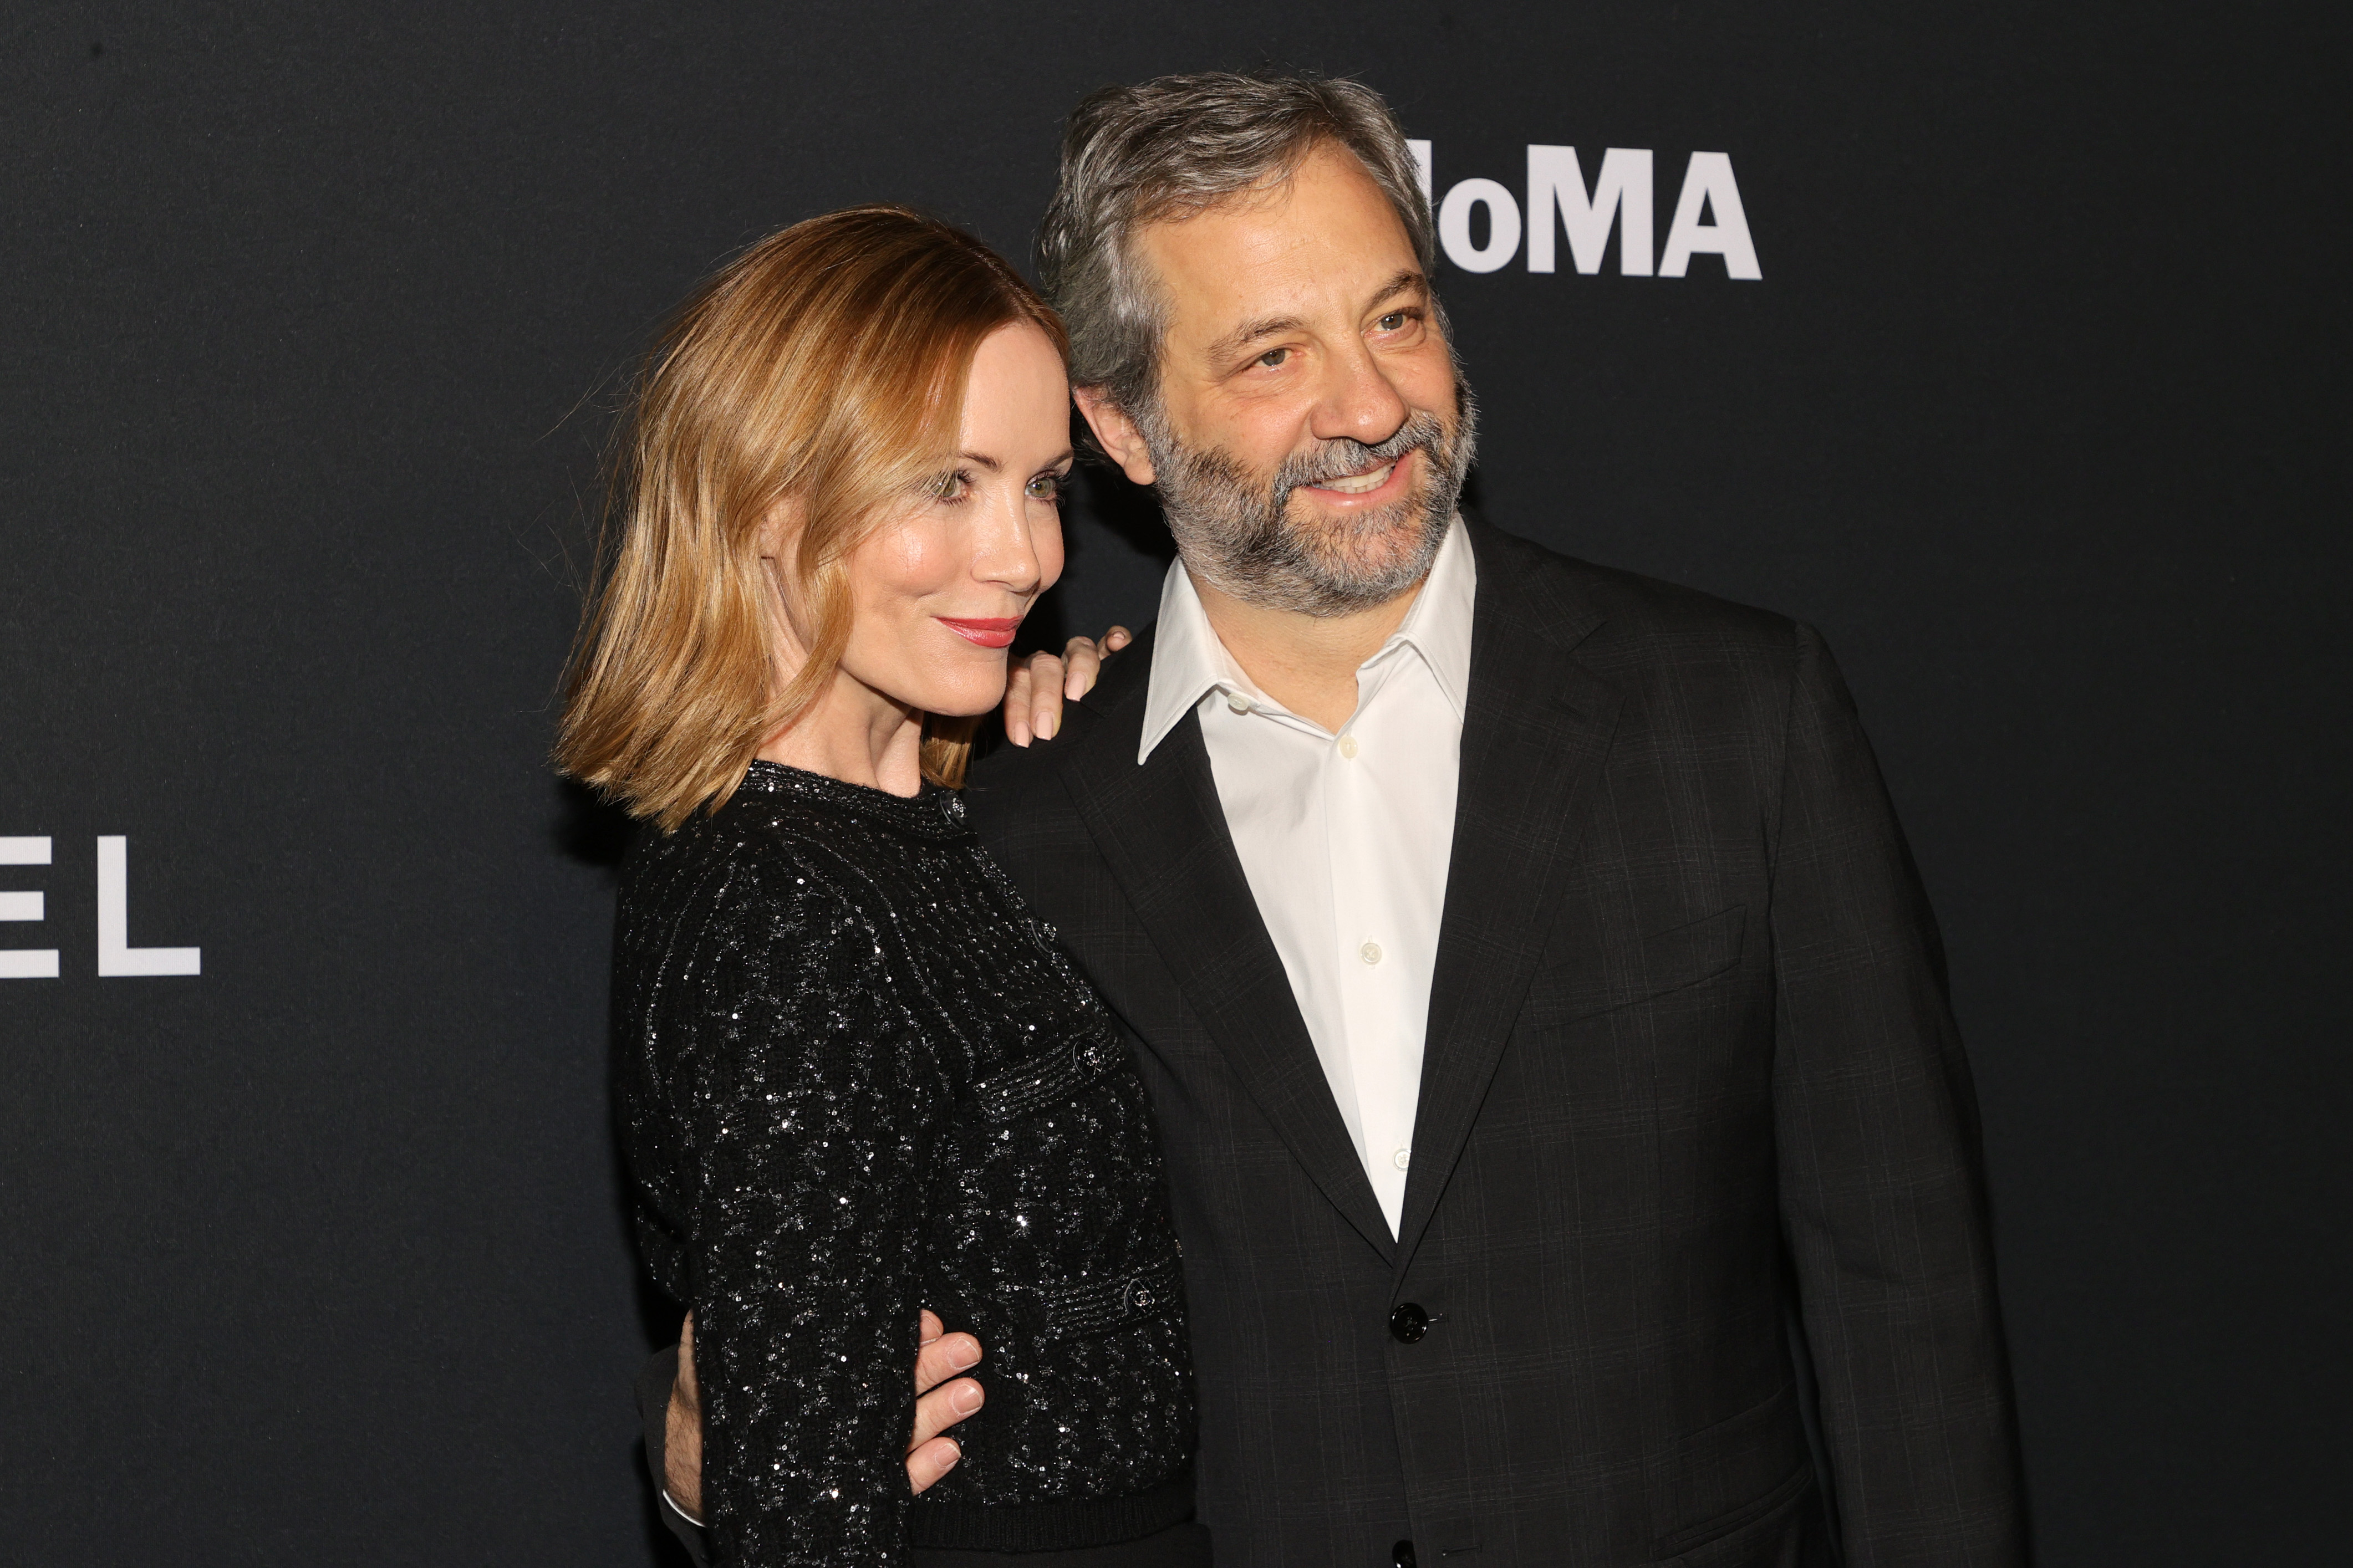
{"x":1533,"y":984}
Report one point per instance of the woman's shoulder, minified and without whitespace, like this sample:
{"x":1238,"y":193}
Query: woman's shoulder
{"x":737,"y":861}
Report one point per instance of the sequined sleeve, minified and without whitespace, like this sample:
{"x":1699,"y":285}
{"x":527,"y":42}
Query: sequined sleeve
{"x":805,"y":1138}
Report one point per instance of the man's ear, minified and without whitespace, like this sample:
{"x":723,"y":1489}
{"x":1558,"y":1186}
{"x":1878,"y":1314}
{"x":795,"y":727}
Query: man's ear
{"x":1121,"y":441}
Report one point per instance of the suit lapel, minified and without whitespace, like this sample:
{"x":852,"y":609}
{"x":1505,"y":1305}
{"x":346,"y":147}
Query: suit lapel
{"x":1536,"y":730}
{"x":1163,"y":835}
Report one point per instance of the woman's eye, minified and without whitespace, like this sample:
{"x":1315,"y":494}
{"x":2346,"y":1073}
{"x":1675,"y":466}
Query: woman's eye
{"x":1046,"y":487}
{"x":951,"y":485}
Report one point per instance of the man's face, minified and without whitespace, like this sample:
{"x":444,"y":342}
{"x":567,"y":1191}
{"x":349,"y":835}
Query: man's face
{"x":1312,"y":435}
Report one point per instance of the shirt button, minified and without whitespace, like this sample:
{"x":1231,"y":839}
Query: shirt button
{"x":1238,"y":702}
{"x":1348,"y":747}
{"x":1401,"y":1158}
{"x":1370,"y":952}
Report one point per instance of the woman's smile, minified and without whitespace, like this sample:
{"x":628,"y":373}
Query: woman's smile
{"x":988,"y":631}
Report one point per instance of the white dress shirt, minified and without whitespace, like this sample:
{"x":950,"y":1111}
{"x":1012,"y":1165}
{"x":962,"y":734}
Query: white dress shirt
{"x":1345,"y":837}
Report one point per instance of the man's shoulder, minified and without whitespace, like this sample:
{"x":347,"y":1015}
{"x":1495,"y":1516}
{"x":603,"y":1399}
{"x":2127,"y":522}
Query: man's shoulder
{"x":1616,"y":615}
{"x":1006,"y":778}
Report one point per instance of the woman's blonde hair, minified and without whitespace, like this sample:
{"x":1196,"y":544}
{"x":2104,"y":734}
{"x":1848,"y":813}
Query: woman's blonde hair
{"x":825,"y":366}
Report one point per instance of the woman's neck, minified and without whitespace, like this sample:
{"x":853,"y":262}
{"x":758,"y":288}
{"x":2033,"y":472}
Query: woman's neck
{"x":856,"y":734}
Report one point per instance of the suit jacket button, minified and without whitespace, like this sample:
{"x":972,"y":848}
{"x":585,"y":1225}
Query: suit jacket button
{"x":1401,"y":1554}
{"x":1407,"y":1324}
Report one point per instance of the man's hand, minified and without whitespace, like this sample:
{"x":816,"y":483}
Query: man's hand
{"x":1036,"y":691}
{"x":942,"y":1399}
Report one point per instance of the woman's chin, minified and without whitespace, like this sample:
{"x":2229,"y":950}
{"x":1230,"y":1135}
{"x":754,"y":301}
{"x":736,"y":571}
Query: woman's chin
{"x":966,"y":698}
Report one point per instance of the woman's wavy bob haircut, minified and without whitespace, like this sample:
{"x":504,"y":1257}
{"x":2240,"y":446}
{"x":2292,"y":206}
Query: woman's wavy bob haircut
{"x":825,"y":366}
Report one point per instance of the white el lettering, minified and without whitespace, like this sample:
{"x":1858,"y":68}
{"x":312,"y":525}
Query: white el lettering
{"x":25,"y":963}
{"x":116,"y":956}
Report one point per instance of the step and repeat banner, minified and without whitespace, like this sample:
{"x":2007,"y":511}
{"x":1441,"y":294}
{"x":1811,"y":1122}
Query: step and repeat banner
{"x":2004,"y":346}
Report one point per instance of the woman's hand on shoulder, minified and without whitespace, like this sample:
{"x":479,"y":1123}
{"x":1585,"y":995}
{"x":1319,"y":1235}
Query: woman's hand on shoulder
{"x":1037,"y":688}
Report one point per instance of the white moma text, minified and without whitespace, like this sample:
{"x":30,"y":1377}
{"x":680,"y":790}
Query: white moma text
{"x":1708,"y":220}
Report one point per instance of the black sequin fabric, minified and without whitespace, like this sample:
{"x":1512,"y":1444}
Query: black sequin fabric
{"x":857,"y":1078}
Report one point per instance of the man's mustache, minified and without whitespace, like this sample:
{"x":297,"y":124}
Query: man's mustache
{"x":1343,"y":458}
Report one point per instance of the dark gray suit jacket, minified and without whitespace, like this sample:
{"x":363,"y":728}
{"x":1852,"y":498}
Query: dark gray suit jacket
{"x":1689,"y":1052}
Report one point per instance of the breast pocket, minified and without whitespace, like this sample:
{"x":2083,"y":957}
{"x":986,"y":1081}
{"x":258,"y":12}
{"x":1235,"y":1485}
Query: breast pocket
{"x":1050,"y":1078}
{"x":1088,"y":1308}
{"x":1661,"y":964}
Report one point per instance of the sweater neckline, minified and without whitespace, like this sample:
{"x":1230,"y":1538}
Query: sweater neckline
{"x":933,"y":812}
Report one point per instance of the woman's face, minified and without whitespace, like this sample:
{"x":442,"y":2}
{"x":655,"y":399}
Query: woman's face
{"x":940,"y":589}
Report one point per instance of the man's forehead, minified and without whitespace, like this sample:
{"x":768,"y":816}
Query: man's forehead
{"x":1325,"y":239}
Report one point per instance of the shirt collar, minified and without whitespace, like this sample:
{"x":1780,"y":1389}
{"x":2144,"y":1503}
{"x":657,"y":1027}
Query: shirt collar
{"x":1188,"y":662}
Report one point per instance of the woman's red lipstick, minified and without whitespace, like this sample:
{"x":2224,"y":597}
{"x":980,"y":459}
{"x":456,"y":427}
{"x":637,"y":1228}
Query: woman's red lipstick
{"x":988,"y":631}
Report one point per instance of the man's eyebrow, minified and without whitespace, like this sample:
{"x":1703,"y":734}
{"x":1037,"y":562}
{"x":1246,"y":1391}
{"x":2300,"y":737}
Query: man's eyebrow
{"x":1249,"y":333}
{"x":1410,"y":281}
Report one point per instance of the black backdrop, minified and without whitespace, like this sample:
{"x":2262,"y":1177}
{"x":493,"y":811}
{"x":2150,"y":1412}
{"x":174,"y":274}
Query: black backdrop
{"x":2038,"y":410}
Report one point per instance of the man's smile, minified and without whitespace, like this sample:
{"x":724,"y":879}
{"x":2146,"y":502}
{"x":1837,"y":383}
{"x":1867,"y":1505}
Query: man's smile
{"x":1370,"y":487}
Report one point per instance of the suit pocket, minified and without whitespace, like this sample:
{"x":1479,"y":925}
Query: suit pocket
{"x":1723,"y":1480}
{"x":1661,"y":963}
{"x":1767,"y":1533}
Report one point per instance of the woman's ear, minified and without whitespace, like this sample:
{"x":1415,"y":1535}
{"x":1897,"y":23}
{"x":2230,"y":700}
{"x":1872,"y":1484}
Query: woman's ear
{"x":1117,"y":434}
{"x":779,"y":533}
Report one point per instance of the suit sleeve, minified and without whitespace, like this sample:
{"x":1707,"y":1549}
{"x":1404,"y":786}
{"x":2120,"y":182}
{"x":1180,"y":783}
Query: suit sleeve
{"x":805,"y":1145}
{"x":1881,"y":1187}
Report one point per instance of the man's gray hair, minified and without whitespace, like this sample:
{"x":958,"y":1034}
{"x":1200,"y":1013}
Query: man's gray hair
{"x":1172,"y":147}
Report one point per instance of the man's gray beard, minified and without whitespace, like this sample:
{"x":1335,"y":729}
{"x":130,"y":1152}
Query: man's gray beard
{"x":1236,"y":535}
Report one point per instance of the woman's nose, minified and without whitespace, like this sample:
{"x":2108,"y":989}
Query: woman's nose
{"x":1006,"y":552}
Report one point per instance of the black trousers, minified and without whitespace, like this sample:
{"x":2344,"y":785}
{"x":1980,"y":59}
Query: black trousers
{"x":1179,"y":1546}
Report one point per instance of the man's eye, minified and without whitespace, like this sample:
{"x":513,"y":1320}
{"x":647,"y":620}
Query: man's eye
{"x":1394,"y":321}
{"x":1273,"y":357}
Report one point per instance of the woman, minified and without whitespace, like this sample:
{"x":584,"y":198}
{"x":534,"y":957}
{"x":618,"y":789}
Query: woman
{"x":857,"y":1077}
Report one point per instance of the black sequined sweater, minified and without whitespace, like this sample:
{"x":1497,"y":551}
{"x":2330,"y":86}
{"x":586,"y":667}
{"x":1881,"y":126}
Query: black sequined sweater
{"x":857,"y":1078}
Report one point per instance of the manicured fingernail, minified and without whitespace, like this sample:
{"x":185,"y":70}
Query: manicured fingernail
{"x":949,"y":1463}
{"x":961,"y":1357}
{"x":1045,"y":726}
{"x":966,"y":1400}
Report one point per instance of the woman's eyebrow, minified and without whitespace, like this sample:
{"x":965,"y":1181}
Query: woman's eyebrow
{"x":994,"y":466}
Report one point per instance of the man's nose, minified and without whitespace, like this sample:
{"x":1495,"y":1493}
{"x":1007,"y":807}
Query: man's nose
{"x":1359,"y":403}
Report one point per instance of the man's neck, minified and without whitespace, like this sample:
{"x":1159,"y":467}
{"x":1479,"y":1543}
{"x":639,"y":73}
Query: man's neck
{"x":1307,"y":663}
